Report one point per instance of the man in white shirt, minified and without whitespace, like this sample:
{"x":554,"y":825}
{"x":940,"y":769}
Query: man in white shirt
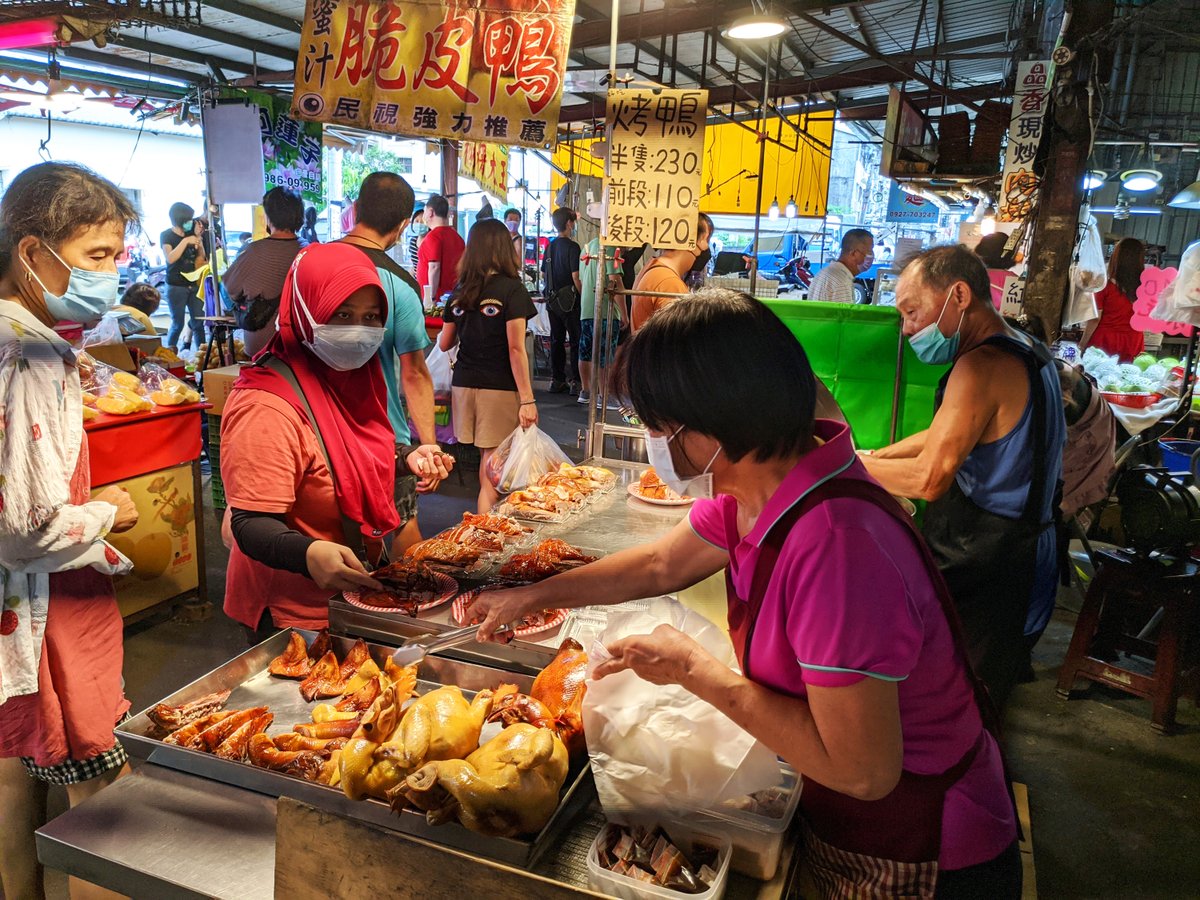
{"x":835,"y":282}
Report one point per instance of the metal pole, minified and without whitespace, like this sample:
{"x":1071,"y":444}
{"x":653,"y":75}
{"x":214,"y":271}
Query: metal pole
{"x":762,"y":164}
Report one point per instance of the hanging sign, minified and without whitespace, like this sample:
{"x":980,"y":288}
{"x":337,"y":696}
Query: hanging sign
{"x":486,"y":164}
{"x":1154,"y":280}
{"x":291,"y":150}
{"x":1019,"y":184}
{"x":1012,"y":296}
{"x":426,"y":68}
{"x":905,"y":207}
{"x":655,"y":156}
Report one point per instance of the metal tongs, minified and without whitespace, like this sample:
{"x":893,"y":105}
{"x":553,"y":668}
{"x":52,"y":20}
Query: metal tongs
{"x":416,"y":649}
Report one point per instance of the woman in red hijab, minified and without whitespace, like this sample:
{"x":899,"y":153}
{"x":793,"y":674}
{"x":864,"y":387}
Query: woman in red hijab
{"x":297,"y":507}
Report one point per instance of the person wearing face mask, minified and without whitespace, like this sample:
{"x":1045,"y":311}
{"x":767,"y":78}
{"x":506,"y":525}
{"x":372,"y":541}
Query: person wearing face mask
{"x":593,"y":326}
{"x":666,"y":274}
{"x":844,"y":630}
{"x":185,"y":253}
{"x":512,"y":221}
{"x":61,"y":230}
{"x":990,"y":462}
{"x":835,"y":282}
{"x":308,"y":456}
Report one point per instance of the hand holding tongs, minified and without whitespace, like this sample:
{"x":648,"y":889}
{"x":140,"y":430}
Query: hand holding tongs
{"x":416,"y":649}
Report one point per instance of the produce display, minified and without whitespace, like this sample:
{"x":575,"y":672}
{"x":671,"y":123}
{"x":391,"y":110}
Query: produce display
{"x":647,"y":855}
{"x":109,"y":390}
{"x":1145,"y":375}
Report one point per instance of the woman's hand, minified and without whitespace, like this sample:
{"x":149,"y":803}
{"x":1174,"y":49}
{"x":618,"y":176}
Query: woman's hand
{"x":528,"y":414}
{"x":336,"y":568}
{"x":127,"y":513}
{"x":665,"y":656}
{"x":430,"y":465}
{"x":497,"y":608}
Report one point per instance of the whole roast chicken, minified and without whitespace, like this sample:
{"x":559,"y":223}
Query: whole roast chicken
{"x":507,"y":787}
{"x":555,"y":701}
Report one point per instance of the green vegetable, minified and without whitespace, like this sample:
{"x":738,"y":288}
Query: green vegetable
{"x":1145,"y":361}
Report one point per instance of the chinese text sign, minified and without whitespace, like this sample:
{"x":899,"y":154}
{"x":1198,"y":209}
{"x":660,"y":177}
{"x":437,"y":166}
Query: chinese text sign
{"x":655,"y":153}
{"x":905,"y":207}
{"x":487,"y":165}
{"x":291,"y":149}
{"x":1019,"y":184}
{"x":436,"y":68}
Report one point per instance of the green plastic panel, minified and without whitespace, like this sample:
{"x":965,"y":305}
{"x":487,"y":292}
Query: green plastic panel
{"x":853,"y":350}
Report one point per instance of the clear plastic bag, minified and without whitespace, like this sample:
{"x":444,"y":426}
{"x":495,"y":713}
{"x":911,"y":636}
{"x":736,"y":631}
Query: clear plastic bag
{"x":1090,"y":272}
{"x":441,"y":368}
{"x":109,"y":390}
{"x":1185,"y":288}
{"x":164,"y":388}
{"x":522,"y":457}
{"x":106,"y":332}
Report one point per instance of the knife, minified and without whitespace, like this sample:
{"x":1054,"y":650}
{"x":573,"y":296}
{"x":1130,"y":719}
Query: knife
{"x":416,"y":649}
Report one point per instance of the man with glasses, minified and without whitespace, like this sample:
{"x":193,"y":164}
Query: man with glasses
{"x":835,"y":282}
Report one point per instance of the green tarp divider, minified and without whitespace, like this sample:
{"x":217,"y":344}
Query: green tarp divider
{"x":853,"y":349}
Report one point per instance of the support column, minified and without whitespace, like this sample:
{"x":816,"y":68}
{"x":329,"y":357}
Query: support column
{"x":1065,"y":152}
{"x":450,"y":178}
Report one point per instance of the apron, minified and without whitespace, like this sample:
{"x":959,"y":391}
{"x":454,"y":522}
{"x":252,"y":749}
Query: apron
{"x":866,"y":848}
{"x":989,"y":561}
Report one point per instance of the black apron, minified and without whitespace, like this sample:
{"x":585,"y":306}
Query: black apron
{"x":989,"y":561}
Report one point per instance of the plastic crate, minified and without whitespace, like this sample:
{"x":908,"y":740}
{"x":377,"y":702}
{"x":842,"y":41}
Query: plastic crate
{"x":757,"y":839}
{"x":214,"y":461}
{"x":684,"y":837}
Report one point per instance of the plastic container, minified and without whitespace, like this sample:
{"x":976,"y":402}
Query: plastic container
{"x":682,"y":836}
{"x":1133,"y":400}
{"x":757,"y":839}
{"x":1177,"y":454}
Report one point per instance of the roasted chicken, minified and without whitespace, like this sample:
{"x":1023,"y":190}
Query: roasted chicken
{"x":507,"y":787}
{"x":556,"y":699}
{"x":172,"y":718}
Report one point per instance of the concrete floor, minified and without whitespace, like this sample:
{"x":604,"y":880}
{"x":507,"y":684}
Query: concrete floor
{"x":1115,"y":806}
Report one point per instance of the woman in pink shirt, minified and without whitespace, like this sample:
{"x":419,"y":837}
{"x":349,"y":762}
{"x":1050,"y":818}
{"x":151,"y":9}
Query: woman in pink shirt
{"x":852,"y":672}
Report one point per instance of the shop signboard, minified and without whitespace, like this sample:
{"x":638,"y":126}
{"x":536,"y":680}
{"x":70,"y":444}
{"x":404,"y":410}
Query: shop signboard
{"x":427,"y":68}
{"x":291,"y":149}
{"x":909,"y":208}
{"x":1154,"y":280}
{"x":486,"y":164}
{"x":1012,"y":296}
{"x":1019,"y":184}
{"x":655,"y":156}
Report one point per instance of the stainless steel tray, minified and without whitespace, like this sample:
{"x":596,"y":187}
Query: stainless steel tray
{"x":247,"y":677}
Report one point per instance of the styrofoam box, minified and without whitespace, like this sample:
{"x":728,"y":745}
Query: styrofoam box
{"x":682,"y":836}
{"x":757,"y":839}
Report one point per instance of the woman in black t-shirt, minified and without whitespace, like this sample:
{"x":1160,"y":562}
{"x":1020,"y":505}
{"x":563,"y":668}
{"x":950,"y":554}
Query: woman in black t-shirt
{"x":486,"y":317}
{"x":184,"y":249}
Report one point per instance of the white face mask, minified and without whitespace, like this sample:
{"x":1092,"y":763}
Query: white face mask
{"x":658,"y":452}
{"x":343,"y":348}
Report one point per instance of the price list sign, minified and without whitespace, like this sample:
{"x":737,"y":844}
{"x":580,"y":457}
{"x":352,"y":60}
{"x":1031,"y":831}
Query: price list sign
{"x":652,"y":180}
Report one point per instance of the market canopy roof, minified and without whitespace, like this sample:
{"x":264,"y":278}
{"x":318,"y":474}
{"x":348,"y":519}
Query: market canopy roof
{"x":845,"y":55}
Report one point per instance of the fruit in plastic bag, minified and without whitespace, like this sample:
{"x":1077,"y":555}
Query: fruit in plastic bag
{"x":121,"y":402}
{"x":126,"y":382}
{"x":1144,"y":361}
{"x":1168,"y":362}
{"x":89,"y":414}
{"x":165,"y":389}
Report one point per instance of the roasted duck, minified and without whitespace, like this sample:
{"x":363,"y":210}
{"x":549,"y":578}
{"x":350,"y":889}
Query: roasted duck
{"x":496,"y":525}
{"x":215,"y":735}
{"x":406,"y":584}
{"x":358,"y":655}
{"x":325,"y":679}
{"x":548,"y":558}
{"x":441,"y":550}
{"x":652,"y":487}
{"x":234,"y":747}
{"x":321,"y":645}
{"x":476,"y":539}
{"x":556,"y":699}
{"x":172,"y":718}
{"x":294,"y":661}
{"x":188,"y":736}
{"x":306,"y":764}
{"x":589,"y":477}
{"x":507,"y":787}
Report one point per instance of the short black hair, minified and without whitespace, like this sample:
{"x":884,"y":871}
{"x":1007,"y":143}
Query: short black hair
{"x":439,"y":206}
{"x":855,"y":237}
{"x":284,"y":209}
{"x":940,"y":267}
{"x":143,"y":297}
{"x":562,"y":216}
{"x":676,"y":372}
{"x":384,"y":201}
{"x":54,"y":201}
{"x":180,"y":213}
{"x":510,"y":212}
{"x":991,"y":250}
{"x":707,"y":220}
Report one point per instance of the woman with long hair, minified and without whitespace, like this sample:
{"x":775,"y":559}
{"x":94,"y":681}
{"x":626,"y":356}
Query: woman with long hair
{"x":493,"y":392}
{"x":62,"y":228}
{"x":1112,"y":332}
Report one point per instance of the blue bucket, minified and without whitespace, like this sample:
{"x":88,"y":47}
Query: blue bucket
{"x":1177,"y":454}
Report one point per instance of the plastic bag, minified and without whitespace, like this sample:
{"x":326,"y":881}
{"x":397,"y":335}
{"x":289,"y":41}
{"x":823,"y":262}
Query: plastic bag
{"x":106,"y":332}
{"x":522,"y":457}
{"x":441,"y":367}
{"x":1179,"y":301}
{"x":109,"y":390}
{"x":659,"y":747}
{"x":1089,"y":272}
{"x":164,"y":388}
{"x":1080,"y":307}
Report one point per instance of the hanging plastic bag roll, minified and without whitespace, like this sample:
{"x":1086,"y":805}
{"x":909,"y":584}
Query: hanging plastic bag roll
{"x":659,"y":748}
{"x":523,"y":457}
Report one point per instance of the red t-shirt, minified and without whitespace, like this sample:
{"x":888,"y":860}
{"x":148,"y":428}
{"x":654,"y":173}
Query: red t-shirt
{"x":1115,"y":334}
{"x":442,"y":245}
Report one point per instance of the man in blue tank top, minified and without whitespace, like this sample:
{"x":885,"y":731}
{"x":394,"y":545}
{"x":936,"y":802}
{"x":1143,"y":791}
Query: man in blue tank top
{"x":989,"y":464}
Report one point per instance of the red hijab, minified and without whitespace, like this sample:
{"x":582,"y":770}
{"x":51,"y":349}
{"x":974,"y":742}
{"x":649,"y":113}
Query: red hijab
{"x":350,"y":407}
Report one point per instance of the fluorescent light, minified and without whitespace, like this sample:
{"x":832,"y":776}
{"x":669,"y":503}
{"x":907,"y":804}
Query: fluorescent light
{"x":1140,"y":179}
{"x":28,"y":33}
{"x":57,"y":99}
{"x":790,"y":209}
{"x":75,"y":65}
{"x":1094,"y":179}
{"x":755,"y":28}
{"x":773,"y":212}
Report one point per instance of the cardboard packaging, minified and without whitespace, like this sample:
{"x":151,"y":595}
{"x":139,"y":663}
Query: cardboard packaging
{"x":217,"y":385}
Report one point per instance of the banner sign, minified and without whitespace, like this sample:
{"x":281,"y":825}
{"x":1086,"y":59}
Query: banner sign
{"x":436,"y":68}
{"x":905,"y":207}
{"x":1019,"y":185}
{"x":487,"y":165}
{"x":291,"y":149}
{"x":1154,"y":281}
{"x":655,"y":156}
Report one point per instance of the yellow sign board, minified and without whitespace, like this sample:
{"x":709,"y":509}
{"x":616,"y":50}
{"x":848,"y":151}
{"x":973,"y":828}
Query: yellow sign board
{"x":487,"y":165}
{"x":436,"y":68}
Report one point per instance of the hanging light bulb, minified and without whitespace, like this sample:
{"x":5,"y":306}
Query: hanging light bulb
{"x":773,"y":212}
{"x":790,"y":209}
{"x":1143,"y":177}
{"x":1093,"y":180}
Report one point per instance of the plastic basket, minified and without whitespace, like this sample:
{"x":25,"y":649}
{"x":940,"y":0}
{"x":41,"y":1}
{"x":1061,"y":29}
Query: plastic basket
{"x":1177,"y":453}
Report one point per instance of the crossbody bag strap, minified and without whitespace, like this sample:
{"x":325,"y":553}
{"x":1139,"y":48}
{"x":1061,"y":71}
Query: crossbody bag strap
{"x":351,"y":533}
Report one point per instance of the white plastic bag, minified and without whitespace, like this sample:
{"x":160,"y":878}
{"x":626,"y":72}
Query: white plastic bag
{"x":1090,"y":272}
{"x":523,"y":457}
{"x":1080,"y":308}
{"x":441,"y":367}
{"x":1185,"y":288}
{"x":106,"y":332}
{"x":660,"y":748}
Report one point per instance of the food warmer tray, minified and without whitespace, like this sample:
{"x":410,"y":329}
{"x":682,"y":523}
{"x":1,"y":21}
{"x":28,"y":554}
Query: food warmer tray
{"x":247,"y":677}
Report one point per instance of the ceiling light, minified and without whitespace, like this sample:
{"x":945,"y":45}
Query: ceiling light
{"x":987,"y":225}
{"x":1121,"y":211}
{"x":57,"y":99}
{"x":1094,"y":179}
{"x":790,"y":209}
{"x":1188,"y":198}
{"x":1140,"y":179}
{"x":773,"y":212}
{"x":755,"y":28}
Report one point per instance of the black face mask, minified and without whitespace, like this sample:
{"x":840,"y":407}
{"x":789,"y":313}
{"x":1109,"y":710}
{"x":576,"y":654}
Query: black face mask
{"x":701,"y":262}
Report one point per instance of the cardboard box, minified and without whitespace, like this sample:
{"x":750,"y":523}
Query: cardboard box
{"x":122,"y":356}
{"x":146,"y":344}
{"x":217,"y":385}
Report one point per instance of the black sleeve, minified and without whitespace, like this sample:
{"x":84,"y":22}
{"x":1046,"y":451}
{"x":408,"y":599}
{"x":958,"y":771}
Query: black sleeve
{"x":519,"y":304}
{"x":573,"y":254}
{"x":169,"y":239}
{"x":267,"y":539}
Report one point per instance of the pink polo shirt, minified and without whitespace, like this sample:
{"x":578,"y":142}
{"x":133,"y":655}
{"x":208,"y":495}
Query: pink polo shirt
{"x":849,"y":599}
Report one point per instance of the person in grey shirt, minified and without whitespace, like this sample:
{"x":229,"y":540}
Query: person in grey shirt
{"x":835,"y":282}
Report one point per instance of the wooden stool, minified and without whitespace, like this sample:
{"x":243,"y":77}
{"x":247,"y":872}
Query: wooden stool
{"x":1128,"y":595}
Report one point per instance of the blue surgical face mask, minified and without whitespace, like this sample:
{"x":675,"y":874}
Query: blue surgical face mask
{"x":933,"y":347}
{"x":89,"y":294}
{"x":658,"y":454}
